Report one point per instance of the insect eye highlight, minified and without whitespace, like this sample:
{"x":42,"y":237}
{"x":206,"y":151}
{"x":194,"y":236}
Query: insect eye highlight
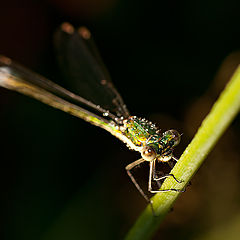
{"x":176,"y":137}
{"x":148,"y":153}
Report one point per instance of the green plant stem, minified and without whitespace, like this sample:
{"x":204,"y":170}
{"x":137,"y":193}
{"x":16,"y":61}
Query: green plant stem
{"x":221,"y":115}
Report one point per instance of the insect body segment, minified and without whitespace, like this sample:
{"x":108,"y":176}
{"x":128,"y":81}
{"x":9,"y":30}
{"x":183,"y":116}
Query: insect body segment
{"x":138,"y":130}
{"x":146,"y":138}
{"x":168,"y":141}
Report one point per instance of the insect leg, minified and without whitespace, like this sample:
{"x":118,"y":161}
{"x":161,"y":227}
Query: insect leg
{"x":165,"y":176}
{"x":128,"y":169}
{"x":152,"y":174}
{"x":174,"y":158}
{"x":155,"y":176}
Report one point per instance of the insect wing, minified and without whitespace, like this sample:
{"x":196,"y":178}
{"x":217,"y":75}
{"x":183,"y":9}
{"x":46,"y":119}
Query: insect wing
{"x":81,"y":64}
{"x":15,"y":77}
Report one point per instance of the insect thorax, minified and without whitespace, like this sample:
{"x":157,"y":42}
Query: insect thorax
{"x":142,"y":132}
{"x":139,"y":131}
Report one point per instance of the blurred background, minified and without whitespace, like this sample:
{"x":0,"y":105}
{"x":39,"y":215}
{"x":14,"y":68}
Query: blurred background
{"x":62,"y":178}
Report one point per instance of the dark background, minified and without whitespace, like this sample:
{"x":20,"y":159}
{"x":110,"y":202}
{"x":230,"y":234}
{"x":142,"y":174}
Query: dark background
{"x":62,"y":178}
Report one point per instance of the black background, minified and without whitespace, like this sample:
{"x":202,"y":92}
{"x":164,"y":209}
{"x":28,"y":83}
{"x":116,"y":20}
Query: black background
{"x":62,"y":178}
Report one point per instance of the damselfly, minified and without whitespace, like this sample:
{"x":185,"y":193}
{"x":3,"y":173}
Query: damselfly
{"x":81,"y":62}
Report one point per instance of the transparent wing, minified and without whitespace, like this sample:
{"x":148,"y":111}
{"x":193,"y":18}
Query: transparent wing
{"x":80,"y":61}
{"x":20,"y":79}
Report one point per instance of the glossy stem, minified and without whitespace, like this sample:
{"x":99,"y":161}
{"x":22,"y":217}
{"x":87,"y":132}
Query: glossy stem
{"x":220,"y":117}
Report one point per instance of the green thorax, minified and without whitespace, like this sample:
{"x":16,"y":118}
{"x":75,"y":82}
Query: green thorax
{"x":140,"y":131}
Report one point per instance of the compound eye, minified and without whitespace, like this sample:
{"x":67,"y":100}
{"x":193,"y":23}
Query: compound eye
{"x":149,"y":153}
{"x":176,"y":137}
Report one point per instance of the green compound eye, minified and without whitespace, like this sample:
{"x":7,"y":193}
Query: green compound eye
{"x":148,"y":153}
{"x":174,"y":135}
